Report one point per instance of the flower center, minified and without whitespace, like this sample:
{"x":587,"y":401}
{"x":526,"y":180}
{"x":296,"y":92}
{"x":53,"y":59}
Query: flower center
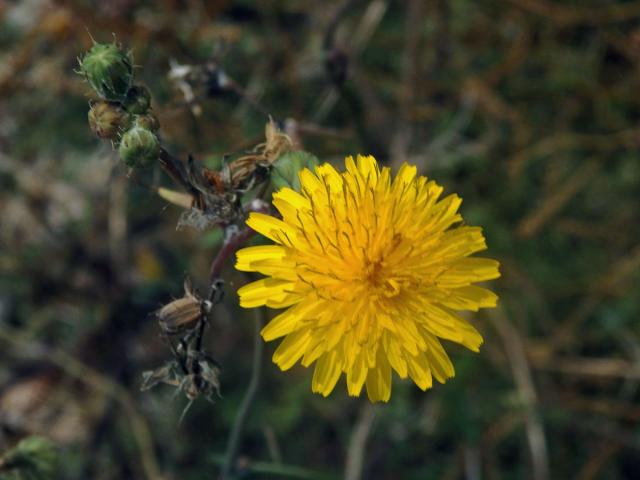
{"x":377,"y":276}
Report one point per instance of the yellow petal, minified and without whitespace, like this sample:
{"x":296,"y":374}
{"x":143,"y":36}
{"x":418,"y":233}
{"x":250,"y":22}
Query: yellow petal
{"x":469,"y":298}
{"x":369,"y":169}
{"x":293,"y":198}
{"x":291,"y":349}
{"x":326,"y":374}
{"x":379,"y":380}
{"x":291,"y":319}
{"x":419,"y":370}
{"x":395,"y":355}
{"x":356,"y":375}
{"x":310,"y":183}
{"x":246,"y":256}
{"x":330,"y":176}
{"x":405,"y":176}
{"x":272,"y":228}
{"x":471,"y":338}
{"x":289,"y":212}
{"x":315,"y":349}
{"x":284,"y":300}
{"x":464,"y":271}
{"x":439,"y":361}
{"x":440,"y":322}
{"x":263,"y":292}
{"x":443,"y":214}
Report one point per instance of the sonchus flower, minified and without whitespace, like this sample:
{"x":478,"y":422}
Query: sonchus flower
{"x":372,"y":271}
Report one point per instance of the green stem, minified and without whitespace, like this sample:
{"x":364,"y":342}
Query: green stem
{"x":235,"y":436}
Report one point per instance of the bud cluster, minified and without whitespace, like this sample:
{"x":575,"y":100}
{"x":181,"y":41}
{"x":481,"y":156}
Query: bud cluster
{"x":123,"y":115}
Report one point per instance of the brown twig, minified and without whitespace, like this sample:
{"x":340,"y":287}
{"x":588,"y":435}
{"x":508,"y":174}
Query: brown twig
{"x":565,"y":191}
{"x":561,"y":142}
{"x":588,"y":367}
{"x":607,"y":284}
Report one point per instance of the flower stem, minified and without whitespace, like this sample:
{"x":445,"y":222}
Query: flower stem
{"x":235,"y":436}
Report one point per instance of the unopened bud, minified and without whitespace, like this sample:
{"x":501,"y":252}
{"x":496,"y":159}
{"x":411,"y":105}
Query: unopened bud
{"x":107,"y":120}
{"x":33,"y":458}
{"x":109,"y":70}
{"x":138,"y":100}
{"x":139,"y":147}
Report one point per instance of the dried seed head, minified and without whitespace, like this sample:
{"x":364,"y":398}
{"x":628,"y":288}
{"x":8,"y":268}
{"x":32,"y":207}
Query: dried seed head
{"x":109,"y":70}
{"x":276,"y":144}
{"x":138,"y":100}
{"x":182,"y":314}
{"x":168,"y":373}
{"x":139,"y":147}
{"x":107,"y":120}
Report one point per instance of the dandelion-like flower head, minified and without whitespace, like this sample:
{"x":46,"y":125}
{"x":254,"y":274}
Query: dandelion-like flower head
{"x":371,"y":271}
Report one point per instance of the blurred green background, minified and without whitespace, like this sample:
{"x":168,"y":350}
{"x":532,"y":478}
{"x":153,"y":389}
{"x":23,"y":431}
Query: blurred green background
{"x":528,"y":109}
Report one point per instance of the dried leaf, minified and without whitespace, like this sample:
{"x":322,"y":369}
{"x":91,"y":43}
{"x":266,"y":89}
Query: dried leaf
{"x":181,"y":199}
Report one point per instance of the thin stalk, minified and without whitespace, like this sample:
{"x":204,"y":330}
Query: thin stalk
{"x":235,"y":436}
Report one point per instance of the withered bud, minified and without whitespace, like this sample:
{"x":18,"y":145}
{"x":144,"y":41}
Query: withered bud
{"x":243,"y":169}
{"x":107,"y":120}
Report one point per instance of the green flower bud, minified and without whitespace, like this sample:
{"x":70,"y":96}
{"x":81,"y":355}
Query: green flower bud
{"x":286,"y":168}
{"x":107,"y":120}
{"x":148,"y":121}
{"x":109,"y":70}
{"x":139,"y":147}
{"x":33,"y":458}
{"x":138,"y":100}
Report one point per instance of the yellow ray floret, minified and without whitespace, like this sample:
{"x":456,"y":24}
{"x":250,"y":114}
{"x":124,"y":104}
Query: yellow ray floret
{"x":373,"y":271}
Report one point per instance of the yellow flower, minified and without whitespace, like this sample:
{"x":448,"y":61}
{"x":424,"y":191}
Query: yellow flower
{"x":372,"y":271}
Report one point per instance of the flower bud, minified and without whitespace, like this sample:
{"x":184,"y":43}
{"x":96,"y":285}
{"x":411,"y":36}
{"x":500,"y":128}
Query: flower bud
{"x":107,"y":120}
{"x":148,"y":121}
{"x":139,"y":147}
{"x":34,"y":457}
{"x":138,"y":100}
{"x":285,"y":170}
{"x":109,"y":70}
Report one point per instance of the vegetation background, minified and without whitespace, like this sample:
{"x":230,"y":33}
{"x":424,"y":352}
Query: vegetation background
{"x":529,"y":109}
